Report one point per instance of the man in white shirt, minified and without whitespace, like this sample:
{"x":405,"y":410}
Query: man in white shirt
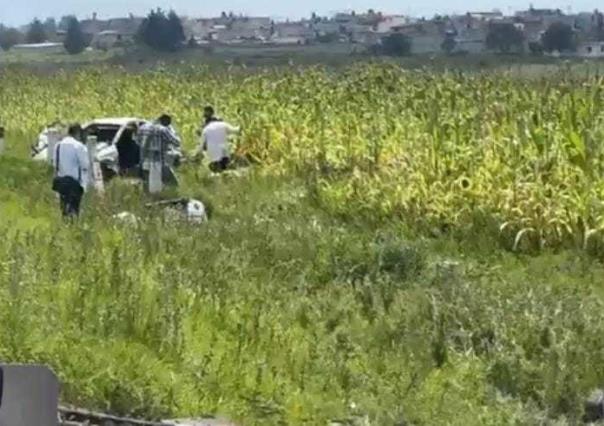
{"x":214,"y":140}
{"x":71,"y":163}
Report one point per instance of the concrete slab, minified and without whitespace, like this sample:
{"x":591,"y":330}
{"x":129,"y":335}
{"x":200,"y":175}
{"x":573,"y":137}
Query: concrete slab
{"x":29,"y":395}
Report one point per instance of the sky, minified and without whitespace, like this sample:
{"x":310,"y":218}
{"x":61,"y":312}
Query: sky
{"x":18,"y":12}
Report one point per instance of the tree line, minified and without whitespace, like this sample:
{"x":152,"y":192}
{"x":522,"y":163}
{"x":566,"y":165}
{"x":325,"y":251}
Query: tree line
{"x":164,"y":32}
{"x":159,"y":30}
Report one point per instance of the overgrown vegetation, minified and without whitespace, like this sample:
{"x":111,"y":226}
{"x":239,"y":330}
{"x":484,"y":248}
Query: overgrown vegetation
{"x":162,"y":32}
{"x":395,"y":44}
{"x":505,"y":38}
{"x":559,"y":37}
{"x":9,"y":37}
{"x":361,"y":269}
{"x":36,"y":32}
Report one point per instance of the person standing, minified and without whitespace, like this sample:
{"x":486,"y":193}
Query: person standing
{"x":214,"y":140}
{"x":158,"y":133}
{"x":71,"y":165}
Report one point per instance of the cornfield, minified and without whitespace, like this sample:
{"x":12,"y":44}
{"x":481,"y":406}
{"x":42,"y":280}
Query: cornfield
{"x":323,"y":286}
{"x":466,"y":153}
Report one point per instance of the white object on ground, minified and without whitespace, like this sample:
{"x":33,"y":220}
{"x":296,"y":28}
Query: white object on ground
{"x":127,"y":218}
{"x":196,"y":212}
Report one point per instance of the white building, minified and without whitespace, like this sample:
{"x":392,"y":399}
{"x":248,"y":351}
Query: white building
{"x":106,"y":39}
{"x":292,"y":33}
{"x":389,"y":22}
{"x":592,"y":49}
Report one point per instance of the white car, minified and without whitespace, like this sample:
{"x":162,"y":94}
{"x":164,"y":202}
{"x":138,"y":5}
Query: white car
{"x":117,"y":149}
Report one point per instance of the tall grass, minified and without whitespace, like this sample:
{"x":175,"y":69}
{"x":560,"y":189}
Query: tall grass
{"x":302,"y":301}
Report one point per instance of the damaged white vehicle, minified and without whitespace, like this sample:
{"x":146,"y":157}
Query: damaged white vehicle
{"x":117,"y":151}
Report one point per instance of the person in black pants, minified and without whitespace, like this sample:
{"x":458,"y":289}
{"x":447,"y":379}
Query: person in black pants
{"x":72,"y":166}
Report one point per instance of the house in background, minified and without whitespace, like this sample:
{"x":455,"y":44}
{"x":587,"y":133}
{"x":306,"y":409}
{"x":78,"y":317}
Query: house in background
{"x":292,"y":33}
{"x":426,"y":36}
{"x":590,"y":26}
{"x":106,"y":40}
{"x":325,"y":29}
{"x":107,"y":33}
{"x":199,"y":29}
{"x":546,"y":17}
{"x":228,"y":29}
{"x":533,"y":30}
{"x":366,"y":37}
{"x":593,"y":49}
{"x":538,"y":13}
{"x":251,"y":28}
{"x":387,"y":23}
{"x":93,"y":26}
{"x":126,"y":28}
{"x":471,"y":30}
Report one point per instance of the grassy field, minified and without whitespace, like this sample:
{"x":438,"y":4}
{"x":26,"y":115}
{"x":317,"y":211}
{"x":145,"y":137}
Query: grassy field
{"x":56,"y":57}
{"x":410,"y":248}
{"x":137,"y":58}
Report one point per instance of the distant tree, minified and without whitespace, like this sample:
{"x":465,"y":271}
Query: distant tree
{"x":36,"y":33}
{"x":75,"y":40}
{"x":449,"y":44}
{"x":50,"y":27}
{"x":505,"y":38}
{"x":176,"y":32}
{"x":152,"y":30}
{"x":396,"y":44}
{"x":161,"y":32}
{"x":64,"y":22}
{"x":559,"y":36}
{"x":9,"y":37}
{"x":598,"y":19}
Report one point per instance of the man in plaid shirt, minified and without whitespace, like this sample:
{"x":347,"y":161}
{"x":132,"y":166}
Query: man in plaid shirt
{"x":159,"y":135}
